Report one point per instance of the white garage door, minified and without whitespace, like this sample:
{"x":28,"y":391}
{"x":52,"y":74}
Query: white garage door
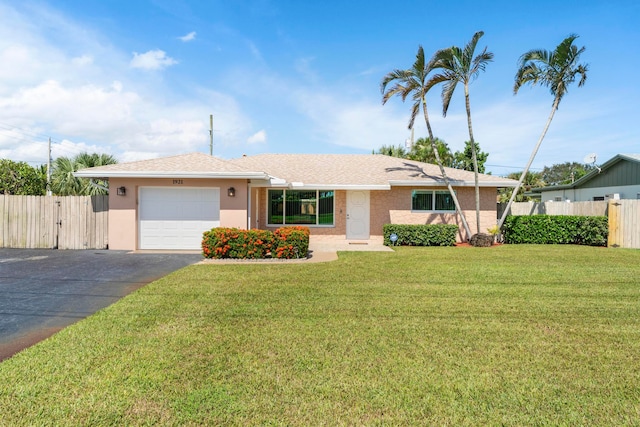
{"x":175,"y":218}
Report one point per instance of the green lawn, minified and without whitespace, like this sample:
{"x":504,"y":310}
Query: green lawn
{"x":509,"y":335}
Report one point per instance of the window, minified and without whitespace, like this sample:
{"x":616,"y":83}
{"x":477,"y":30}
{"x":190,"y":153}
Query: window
{"x":423,"y":200}
{"x":598,"y":198}
{"x":300,"y":207}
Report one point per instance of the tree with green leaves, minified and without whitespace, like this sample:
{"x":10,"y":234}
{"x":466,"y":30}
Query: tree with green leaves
{"x":459,"y":65}
{"x":531,"y":180}
{"x":413,"y":82}
{"x":422,"y":151}
{"x":21,"y":179}
{"x":564,"y":173}
{"x":557,"y":70}
{"x":464,"y":159}
{"x":392,"y":150}
{"x":64,"y":183}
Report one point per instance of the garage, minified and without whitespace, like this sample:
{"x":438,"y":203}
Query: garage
{"x":175,"y":218}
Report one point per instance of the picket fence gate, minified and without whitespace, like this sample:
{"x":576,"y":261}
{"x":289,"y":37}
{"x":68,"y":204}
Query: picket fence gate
{"x":59,"y":222}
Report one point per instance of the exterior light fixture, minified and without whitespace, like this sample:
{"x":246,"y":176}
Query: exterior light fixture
{"x":231,"y":192}
{"x":121,"y":191}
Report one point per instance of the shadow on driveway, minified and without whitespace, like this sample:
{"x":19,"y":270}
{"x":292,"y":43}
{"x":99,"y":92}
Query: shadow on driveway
{"x":43,"y":291}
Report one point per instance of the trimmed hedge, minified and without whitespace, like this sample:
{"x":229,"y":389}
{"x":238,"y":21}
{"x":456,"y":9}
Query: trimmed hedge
{"x":284,"y":243}
{"x":556,"y":229}
{"x":421,"y":234}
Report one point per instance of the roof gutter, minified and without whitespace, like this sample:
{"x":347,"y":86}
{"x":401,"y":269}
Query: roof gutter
{"x":454,"y":183}
{"x":172,"y":174}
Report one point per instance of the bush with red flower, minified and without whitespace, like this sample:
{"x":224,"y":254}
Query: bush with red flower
{"x":285,"y":243}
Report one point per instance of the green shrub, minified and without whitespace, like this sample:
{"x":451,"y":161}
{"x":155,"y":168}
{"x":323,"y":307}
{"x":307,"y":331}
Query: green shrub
{"x":291,"y":242}
{"x":421,"y":234}
{"x":556,"y":229}
{"x":285,"y":242}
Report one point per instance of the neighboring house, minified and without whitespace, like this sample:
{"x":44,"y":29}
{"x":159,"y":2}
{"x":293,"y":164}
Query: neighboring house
{"x":167,"y":203}
{"x":618,"y":178}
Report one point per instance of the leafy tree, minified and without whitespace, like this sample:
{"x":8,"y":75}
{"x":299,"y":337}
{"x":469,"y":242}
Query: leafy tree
{"x":413,"y":82}
{"x":464,"y":159}
{"x":556,"y":70}
{"x":565,"y":173}
{"x":392,"y":150}
{"x":531,"y":180}
{"x":64,"y":183}
{"x":422,"y":151}
{"x":21,"y":179}
{"x":459,"y":65}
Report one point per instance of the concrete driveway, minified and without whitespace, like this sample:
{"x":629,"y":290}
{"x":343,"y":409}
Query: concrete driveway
{"x":43,"y":291}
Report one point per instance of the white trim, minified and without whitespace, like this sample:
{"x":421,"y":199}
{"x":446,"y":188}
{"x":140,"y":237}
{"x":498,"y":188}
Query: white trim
{"x":323,"y":187}
{"x":453,"y":182}
{"x":172,"y":174}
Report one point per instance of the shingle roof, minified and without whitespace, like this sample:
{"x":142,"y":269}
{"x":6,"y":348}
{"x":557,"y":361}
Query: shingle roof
{"x":373,"y":171}
{"x":186,"y":165}
{"x":351,"y":170}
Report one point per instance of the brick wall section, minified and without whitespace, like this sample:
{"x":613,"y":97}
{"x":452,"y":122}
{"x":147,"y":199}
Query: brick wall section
{"x":394,"y":207}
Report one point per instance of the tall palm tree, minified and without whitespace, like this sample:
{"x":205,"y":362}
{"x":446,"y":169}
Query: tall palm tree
{"x":64,"y":183}
{"x":414,"y":82}
{"x":459,"y":65}
{"x":556,"y":70}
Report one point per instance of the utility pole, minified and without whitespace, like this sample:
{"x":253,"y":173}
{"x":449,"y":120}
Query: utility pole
{"x":211,"y":134}
{"x":49,"y":170}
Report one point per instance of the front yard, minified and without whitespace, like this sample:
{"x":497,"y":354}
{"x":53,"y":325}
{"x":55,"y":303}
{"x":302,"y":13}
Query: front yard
{"x":508,"y":335}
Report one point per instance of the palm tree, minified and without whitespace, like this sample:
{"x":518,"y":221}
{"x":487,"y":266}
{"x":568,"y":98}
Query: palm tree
{"x":531,"y":180}
{"x":414,"y":82}
{"x":556,"y":70}
{"x":458,"y":65}
{"x":64,"y":183}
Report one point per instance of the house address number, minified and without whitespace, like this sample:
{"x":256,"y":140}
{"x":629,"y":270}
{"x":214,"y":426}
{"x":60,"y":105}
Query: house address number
{"x":177,"y":182}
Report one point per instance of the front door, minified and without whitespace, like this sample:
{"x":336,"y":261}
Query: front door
{"x":358,"y":215}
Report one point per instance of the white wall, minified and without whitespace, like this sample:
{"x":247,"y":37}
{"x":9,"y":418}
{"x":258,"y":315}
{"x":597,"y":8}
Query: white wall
{"x":587,"y":194}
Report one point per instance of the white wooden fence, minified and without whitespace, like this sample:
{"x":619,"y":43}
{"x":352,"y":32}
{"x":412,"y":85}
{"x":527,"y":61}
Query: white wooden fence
{"x":70,"y":222}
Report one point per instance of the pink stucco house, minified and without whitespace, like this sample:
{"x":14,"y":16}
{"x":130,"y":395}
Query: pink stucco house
{"x":167,"y":203}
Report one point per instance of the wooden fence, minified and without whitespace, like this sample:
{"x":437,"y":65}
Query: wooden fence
{"x":556,"y":208}
{"x":624,"y":224}
{"x":70,"y":222}
{"x":624,"y":216}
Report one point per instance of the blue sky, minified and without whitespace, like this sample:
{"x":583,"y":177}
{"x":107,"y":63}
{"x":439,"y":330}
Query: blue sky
{"x":139,"y":79}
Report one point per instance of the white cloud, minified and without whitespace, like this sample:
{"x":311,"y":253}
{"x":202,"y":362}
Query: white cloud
{"x":152,"y":60}
{"x":188,"y":37}
{"x":83,"y":60}
{"x":258,"y":137}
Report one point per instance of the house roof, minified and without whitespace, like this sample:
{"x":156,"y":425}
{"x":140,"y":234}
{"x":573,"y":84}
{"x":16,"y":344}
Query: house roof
{"x":363,"y":171}
{"x":318,"y":171}
{"x":593,"y":174}
{"x":192,"y":165}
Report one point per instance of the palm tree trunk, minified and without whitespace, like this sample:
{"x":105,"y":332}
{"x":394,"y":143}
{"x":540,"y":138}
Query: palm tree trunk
{"x":474,"y":156}
{"x":443,"y":172}
{"x":526,"y":169}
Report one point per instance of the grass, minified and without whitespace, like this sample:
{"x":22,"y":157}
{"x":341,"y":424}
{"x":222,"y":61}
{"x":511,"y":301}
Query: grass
{"x":510,"y":335}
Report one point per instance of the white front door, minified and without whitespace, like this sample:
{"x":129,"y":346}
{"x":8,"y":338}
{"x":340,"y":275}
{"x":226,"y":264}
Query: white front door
{"x":358,"y":215}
